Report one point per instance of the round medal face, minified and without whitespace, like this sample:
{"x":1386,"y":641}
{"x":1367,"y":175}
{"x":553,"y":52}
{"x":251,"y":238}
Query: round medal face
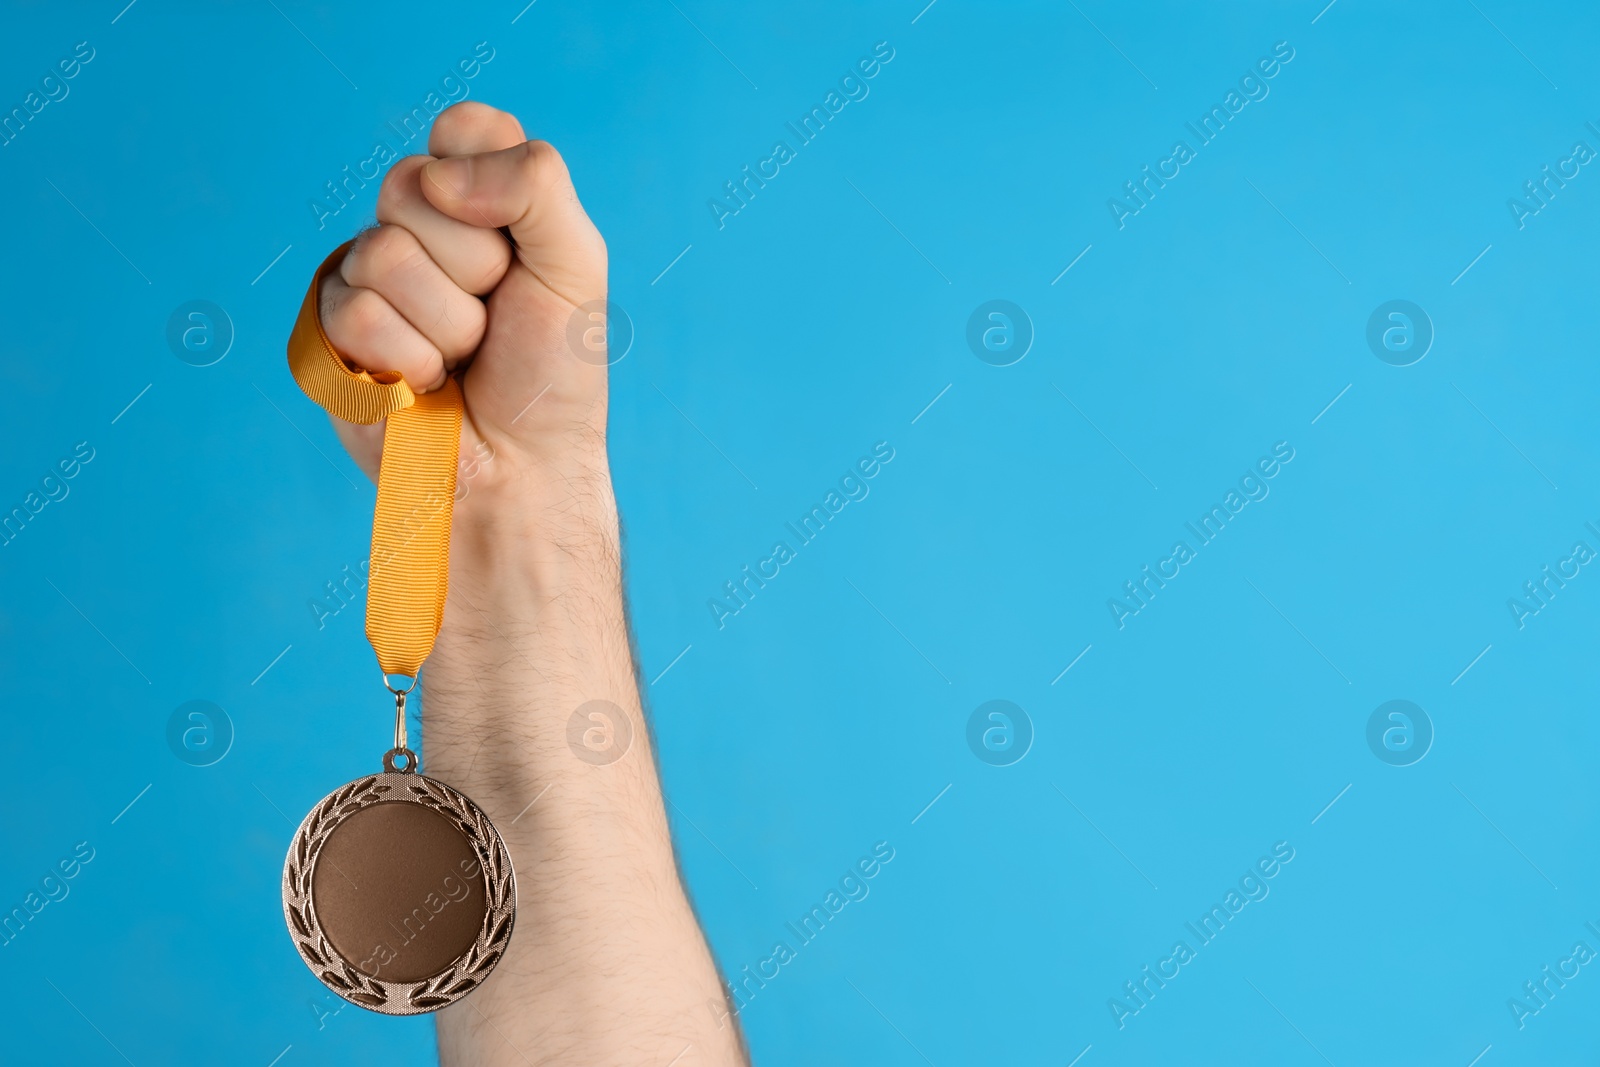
{"x":399,"y":893}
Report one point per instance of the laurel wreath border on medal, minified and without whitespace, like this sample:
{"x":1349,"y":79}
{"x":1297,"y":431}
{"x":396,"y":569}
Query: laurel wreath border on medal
{"x":345,"y":978}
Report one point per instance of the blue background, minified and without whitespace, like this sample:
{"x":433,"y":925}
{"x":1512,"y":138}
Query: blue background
{"x":824,"y":317}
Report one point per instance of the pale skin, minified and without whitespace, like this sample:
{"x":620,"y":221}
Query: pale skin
{"x":608,"y":964}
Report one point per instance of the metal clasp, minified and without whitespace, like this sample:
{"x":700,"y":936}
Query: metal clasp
{"x":400,"y":748}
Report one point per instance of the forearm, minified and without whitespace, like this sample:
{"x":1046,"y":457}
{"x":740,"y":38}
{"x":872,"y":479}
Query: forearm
{"x":607,"y":964}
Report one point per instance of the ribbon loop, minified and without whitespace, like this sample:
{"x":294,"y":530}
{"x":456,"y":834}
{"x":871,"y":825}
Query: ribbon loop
{"x":409,"y":570}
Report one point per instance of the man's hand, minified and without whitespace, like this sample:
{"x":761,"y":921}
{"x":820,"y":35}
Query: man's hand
{"x":407,"y":297}
{"x":607,"y":963}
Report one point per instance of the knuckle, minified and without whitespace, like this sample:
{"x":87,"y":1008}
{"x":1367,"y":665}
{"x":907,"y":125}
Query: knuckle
{"x":463,"y":329}
{"x":400,"y":188}
{"x":483,"y":273}
{"x":542,"y":166}
{"x":463,"y":114}
{"x":331,"y":296}
{"x":475,"y":121}
{"x":382,"y":252}
{"x":362,"y":316}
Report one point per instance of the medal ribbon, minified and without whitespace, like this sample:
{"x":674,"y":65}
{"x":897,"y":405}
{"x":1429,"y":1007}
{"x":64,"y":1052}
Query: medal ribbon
{"x":410,"y":566}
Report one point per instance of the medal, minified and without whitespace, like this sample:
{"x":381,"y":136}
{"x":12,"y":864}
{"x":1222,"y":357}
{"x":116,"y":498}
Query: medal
{"x":398,"y":892}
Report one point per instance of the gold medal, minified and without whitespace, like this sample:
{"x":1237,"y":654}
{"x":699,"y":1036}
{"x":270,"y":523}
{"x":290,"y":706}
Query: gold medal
{"x":398,"y":891}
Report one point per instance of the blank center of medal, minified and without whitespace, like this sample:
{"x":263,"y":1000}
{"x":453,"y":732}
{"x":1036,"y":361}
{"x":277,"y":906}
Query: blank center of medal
{"x":398,"y":892}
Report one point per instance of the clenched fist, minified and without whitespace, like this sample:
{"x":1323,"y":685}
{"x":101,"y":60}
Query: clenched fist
{"x":480,"y":260}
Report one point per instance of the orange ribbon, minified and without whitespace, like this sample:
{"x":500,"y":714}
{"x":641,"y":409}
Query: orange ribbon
{"x":410,"y":568}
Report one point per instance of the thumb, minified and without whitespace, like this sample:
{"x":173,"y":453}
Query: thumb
{"x":527,"y":190}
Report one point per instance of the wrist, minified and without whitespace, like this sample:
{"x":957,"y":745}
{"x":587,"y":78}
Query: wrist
{"x":536,"y":518}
